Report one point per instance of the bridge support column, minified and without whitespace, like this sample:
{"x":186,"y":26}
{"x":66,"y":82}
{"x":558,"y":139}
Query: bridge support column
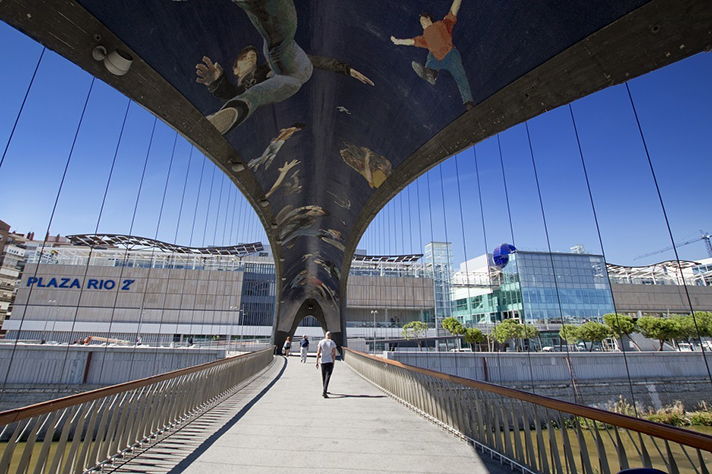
{"x":289,"y":319}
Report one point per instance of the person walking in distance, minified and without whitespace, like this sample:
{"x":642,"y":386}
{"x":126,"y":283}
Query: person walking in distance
{"x":287,"y":346}
{"x":326,"y":353}
{"x":303,"y":348}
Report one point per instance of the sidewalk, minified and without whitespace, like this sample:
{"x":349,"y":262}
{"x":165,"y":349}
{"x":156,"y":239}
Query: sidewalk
{"x":358,"y":429}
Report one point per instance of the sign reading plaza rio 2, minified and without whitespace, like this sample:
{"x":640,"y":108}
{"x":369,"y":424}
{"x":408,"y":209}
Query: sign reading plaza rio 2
{"x":74,"y":283}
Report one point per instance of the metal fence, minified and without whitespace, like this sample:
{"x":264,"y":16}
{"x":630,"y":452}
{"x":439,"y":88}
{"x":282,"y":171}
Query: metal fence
{"x":87,"y":431}
{"x":534,"y":433}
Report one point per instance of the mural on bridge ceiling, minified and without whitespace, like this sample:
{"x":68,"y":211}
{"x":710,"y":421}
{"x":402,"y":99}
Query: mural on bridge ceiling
{"x":324,"y":99}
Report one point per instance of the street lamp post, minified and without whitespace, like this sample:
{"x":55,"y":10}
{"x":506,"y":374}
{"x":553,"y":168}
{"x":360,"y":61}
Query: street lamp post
{"x":233,"y":308}
{"x":44,"y":333}
{"x":242,"y":325}
{"x":56,"y":317}
{"x":374,"y":313}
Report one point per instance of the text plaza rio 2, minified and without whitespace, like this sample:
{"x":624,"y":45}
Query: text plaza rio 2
{"x":92,"y":283}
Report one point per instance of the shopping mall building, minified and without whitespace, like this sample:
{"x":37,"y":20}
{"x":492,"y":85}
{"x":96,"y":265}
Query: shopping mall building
{"x":129,"y":288}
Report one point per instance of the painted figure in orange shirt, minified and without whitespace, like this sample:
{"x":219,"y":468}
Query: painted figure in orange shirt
{"x":442,"y":54}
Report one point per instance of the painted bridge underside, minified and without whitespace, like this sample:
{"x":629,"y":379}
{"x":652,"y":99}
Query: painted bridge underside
{"x":341,"y":104}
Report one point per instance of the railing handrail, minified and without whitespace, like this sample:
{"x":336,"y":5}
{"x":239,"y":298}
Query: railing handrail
{"x":670,"y":433}
{"x":17,"y":414}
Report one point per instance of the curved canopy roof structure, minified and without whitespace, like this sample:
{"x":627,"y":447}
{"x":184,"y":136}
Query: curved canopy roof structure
{"x":131,"y":242}
{"x":320,"y":111}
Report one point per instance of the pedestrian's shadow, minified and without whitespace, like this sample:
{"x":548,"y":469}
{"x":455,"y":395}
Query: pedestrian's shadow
{"x":345,"y":395}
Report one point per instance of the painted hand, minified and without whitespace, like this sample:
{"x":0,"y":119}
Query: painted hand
{"x":357,"y":75}
{"x":208,"y":72}
{"x":288,"y":166}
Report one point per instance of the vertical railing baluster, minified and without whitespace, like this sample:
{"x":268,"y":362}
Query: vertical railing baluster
{"x":516,"y":433}
{"x":76,"y":437}
{"x":568,"y":452}
{"x":135,"y":434}
{"x":672,"y":464}
{"x":528,"y":441}
{"x":12,"y":444}
{"x":543,"y":457}
{"x":60,"y":450}
{"x":644,"y":456}
{"x":481,"y":434}
{"x":600,"y":448}
{"x":620,"y":450}
{"x":497,"y":425}
{"x":30,"y":443}
{"x":583,"y":448}
{"x":48,"y":439}
{"x":82,"y":457}
{"x":703,"y":464}
{"x":505,"y":431}
{"x":105,"y":452}
{"x":553,"y":445}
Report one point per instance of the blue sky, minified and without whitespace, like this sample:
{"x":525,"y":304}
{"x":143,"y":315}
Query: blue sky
{"x":673,"y":105}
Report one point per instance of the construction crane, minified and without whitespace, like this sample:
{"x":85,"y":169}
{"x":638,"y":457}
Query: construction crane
{"x":703,"y":236}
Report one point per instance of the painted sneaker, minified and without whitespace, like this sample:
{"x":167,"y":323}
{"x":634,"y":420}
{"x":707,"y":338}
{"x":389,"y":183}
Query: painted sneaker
{"x":423,"y":72}
{"x":232,"y":114}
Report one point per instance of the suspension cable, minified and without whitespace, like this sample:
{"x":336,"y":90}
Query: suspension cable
{"x":227,"y":213}
{"x":669,"y":229}
{"x":44,"y":244}
{"x":126,"y":253}
{"x":577,"y":395}
{"x":192,"y":231}
{"x":207,"y":212}
{"x":484,"y":238}
{"x":96,"y":230}
{"x":152,"y":263}
{"x":603,"y":252}
{"x":175,"y":241}
{"x":22,"y":107}
{"x":217,"y":213}
{"x":506,"y":190}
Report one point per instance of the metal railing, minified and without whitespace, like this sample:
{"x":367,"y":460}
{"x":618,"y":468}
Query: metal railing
{"x":534,"y":433}
{"x":84,"y":432}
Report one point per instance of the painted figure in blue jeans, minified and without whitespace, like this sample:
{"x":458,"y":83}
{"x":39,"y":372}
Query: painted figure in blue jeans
{"x":287,"y":68}
{"x":442,"y":54}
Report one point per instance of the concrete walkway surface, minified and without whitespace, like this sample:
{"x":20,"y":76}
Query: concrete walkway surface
{"x":288,"y":427}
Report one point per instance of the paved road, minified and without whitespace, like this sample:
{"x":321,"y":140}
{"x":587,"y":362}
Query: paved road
{"x":291,"y":428}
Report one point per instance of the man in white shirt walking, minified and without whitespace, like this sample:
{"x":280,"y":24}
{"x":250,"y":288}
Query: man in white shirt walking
{"x":326,"y":353}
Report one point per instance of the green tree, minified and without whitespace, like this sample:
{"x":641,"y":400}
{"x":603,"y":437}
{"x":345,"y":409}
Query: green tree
{"x":704,"y":323}
{"x":415,"y":330}
{"x":569,"y":333}
{"x":474,"y":336}
{"x":661,"y":329}
{"x":529,"y":331}
{"x":508,"y":329}
{"x":593,"y":332}
{"x":621,"y":325}
{"x":453,"y":326}
{"x":685,"y":326}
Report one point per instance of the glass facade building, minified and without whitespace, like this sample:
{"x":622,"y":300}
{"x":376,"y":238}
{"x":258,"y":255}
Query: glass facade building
{"x":540,"y":287}
{"x":438,"y":264}
{"x":571,"y":288}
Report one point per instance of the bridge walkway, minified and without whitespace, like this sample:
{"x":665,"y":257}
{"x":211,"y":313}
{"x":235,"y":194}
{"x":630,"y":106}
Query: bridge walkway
{"x":281,"y":423}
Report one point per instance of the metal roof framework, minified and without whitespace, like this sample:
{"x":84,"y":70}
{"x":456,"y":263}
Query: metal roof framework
{"x":388,"y":258}
{"x":131,"y":242}
{"x":667,"y":270}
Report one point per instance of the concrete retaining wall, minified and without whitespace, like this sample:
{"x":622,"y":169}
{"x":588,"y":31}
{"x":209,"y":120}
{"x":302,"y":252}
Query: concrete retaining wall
{"x":35,"y":364}
{"x":657,"y":378}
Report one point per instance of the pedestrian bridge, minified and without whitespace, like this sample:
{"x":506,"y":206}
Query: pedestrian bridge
{"x":258,"y":412}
